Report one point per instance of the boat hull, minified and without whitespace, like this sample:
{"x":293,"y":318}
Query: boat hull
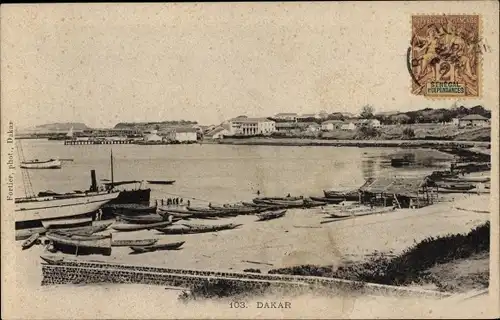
{"x":53,"y":208}
{"x":52,"y":164}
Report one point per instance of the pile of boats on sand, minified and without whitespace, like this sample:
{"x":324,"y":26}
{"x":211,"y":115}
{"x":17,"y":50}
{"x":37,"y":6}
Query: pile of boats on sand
{"x":448,"y":182}
{"x":81,"y":236}
{"x":350,"y":211}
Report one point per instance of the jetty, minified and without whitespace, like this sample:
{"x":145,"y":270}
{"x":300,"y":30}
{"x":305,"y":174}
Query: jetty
{"x":92,"y":142}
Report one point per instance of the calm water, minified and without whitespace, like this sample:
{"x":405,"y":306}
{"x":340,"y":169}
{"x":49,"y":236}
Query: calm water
{"x":218,"y":173}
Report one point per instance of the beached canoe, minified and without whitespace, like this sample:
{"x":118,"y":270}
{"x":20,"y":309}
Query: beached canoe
{"x":66,"y":223}
{"x":456,"y":186}
{"x":93,"y":245}
{"x":145,"y":219}
{"x":360,"y":213}
{"x":350,"y":195}
{"x":23,"y":234}
{"x":136,"y":227}
{"x":132,"y":243}
{"x":328,"y":200}
{"x":271,"y":215}
{"x":190,"y":229}
{"x":28,"y":243}
{"x":166,"y":213}
{"x":85,"y":231}
{"x":82,"y":237}
{"x":157,"y":247}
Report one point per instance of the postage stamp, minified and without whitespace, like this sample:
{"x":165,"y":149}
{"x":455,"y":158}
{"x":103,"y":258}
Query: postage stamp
{"x":445,"y":56}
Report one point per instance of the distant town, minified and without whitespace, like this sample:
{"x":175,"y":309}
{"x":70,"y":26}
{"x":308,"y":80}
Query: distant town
{"x":421,"y":124}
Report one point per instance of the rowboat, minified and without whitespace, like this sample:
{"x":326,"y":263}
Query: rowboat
{"x":131,"y":208}
{"x":279,"y":198}
{"x":161,"y":181}
{"x":75,"y":245}
{"x":145,"y":219}
{"x":328,"y":200}
{"x":156,"y":247}
{"x":271,"y":215}
{"x":131,"y":243}
{"x":190,"y":229}
{"x":136,"y":227}
{"x":28,"y":243}
{"x":36,"y":164}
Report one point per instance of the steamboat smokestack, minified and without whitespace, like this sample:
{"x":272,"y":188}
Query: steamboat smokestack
{"x":93,"y":186}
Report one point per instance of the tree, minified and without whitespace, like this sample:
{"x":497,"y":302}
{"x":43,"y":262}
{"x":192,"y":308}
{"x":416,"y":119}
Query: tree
{"x":367,"y":112}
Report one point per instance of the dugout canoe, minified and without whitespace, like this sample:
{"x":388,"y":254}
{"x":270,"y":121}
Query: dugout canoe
{"x":137,"y":227}
{"x":157,"y":247}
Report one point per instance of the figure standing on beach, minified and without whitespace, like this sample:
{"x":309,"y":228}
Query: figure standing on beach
{"x":258,"y":192}
{"x":189,"y":203}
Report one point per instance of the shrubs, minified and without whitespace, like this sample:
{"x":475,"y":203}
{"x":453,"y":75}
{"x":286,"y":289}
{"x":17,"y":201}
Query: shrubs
{"x":367,"y":132}
{"x":408,"y":267}
{"x":221,"y":288}
{"x":408,"y":133}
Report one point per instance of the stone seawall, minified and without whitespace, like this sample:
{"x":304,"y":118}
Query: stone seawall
{"x":73,"y":271}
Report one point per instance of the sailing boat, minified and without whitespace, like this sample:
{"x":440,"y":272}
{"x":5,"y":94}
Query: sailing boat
{"x":31,"y":210}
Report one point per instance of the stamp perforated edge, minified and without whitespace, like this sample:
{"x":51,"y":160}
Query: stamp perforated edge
{"x":480,"y":60}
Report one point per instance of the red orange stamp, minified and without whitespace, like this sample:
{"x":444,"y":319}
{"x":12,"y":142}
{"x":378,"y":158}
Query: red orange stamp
{"x":445,"y":56}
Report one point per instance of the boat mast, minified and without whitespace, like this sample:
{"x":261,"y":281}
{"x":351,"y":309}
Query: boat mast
{"x":112,"y":174}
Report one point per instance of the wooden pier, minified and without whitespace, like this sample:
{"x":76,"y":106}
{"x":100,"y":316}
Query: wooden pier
{"x":88,"y":142}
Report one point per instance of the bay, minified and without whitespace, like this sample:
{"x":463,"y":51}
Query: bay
{"x":220,"y":173}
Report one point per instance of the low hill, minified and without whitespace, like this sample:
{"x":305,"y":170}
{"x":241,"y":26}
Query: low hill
{"x":57,"y":127}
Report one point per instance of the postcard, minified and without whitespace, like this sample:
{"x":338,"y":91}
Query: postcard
{"x":275,"y":160}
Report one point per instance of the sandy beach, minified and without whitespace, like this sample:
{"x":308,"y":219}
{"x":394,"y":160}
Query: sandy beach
{"x":296,"y":239}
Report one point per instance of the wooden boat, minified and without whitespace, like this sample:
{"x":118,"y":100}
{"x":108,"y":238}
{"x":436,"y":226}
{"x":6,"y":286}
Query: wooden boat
{"x":28,"y":243}
{"x":37,"y":164}
{"x":328,"y":200}
{"x":156,"y":247}
{"x":161,"y":181}
{"x":136,"y":227}
{"x":400,"y":162}
{"x":466,"y":180}
{"x":278,"y":198}
{"x":165,"y":214}
{"x":271,"y":215}
{"x":456,"y":186}
{"x":190,"y":229}
{"x":132,"y":208}
{"x":350,"y":195}
{"x":143,"y":219}
{"x":360,"y":213}
{"x":312,"y":203}
{"x":132,"y":243}
{"x":24,"y":234}
{"x":82,"y":237}
{"x":66,"y":223}
{"x":85,"y":231}
{"x":91,"y":245}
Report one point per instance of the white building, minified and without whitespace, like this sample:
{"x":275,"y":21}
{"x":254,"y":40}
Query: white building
{"x":235,"y":125}
{"x":254,"y":126}
{"x":185,"y":134}
{"x":349,"y":126}
{"x":153,"y":137}
{"x":286,"y":116}
{"x":455,"y":122}
{"x":313,"y":127}
{"x":473,"y":120}
{"x":331,"y":125}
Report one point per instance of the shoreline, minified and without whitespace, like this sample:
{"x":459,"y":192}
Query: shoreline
{"x":299,"y":142}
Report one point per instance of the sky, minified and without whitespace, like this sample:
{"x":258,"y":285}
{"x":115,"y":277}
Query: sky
{"x":102,"y":64}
